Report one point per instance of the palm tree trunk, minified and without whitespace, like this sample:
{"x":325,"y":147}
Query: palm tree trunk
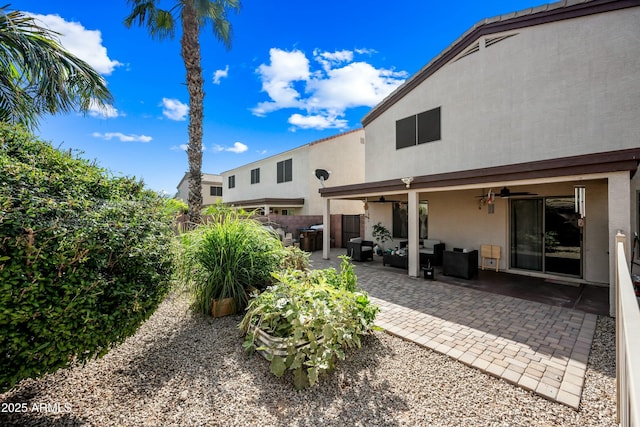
{"x":195,"y":85}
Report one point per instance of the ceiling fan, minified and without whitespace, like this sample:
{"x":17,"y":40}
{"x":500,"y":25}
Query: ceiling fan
{"x":505,"y":193}
{"x":383,"y":200}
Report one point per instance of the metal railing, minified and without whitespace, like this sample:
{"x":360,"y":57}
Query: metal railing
{"x":627,"y":341}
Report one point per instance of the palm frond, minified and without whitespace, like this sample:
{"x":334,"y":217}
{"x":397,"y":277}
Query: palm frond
{"x":159,"y":22}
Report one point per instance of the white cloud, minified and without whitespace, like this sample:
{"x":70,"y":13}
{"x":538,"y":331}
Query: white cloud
{"x":278,"y":80}
{"x":220,"y":74}
{"x":184,"y":147}
{"x":181,"y":147}
{"x":322,"y":93}
{"x":316,"y":122}
{"x":174,"y":109}
{"x":238,"y":147}
{"x":83,"y":43}
{"x":108,"y":136}
{"x":103,"y":111}
{"x":329,"y":59}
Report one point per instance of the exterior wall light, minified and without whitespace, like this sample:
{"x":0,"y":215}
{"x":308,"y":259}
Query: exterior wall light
{"x":407,"y":181}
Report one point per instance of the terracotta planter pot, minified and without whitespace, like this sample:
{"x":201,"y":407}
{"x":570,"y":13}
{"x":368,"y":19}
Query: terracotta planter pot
{"x":223,"y":307}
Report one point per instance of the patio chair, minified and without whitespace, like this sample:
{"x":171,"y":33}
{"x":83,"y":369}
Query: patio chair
{"x":360,"y":250}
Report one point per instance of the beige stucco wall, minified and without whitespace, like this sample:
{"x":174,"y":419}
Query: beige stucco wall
{"x":207,"y":181}
{"x":553,"y":90}
{"x":268,"y":185}
{"x":343,"y":155}
{"x":456,"y":220}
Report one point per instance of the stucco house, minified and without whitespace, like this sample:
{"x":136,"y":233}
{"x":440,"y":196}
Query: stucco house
{"x":524,"y":133}
{"x":211,"y":189}
{"x":286,"y":183}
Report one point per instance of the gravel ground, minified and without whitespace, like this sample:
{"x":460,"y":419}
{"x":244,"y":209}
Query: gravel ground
{"x":186,"y":370}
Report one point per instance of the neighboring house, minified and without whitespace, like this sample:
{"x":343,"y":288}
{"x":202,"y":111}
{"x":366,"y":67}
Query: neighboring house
{"x":539,"y":107}
{"x":211,"y":189}
{"x":286,"y":184}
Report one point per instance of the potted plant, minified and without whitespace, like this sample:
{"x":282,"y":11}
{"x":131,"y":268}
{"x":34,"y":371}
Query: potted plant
{"x":381,"y":234}
{"x":307,"y":320}
{"x":220,"y":262}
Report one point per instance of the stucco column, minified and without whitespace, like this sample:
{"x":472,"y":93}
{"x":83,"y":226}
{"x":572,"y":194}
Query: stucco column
{"x":326,"y":228}
{"x":619,"y":199}
{"x":414,"y":234}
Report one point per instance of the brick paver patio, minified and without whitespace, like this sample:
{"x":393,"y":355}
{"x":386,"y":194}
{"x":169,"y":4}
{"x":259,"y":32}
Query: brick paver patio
{"x":539,"y":347}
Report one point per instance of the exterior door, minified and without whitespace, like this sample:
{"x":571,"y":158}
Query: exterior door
{"x":350,"y":228}
{"x":545,"y":236}
{"x":563,"y":237}
{"x":526,"y":234}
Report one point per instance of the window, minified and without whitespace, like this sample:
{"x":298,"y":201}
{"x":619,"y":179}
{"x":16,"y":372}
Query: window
{"x":418,"y":129}
{"x":255,"y":175}
{"x":232,"y":181}
{"x":285,"y":170}
{"x":286,"y":212}
{"x":401,"y":220}
{"x":215,"y":191}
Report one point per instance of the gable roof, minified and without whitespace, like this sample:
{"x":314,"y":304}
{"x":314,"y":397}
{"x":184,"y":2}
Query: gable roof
{"x":566,"y":9}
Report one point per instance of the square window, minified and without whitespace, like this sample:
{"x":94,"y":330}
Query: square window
{"x":419,"y":128}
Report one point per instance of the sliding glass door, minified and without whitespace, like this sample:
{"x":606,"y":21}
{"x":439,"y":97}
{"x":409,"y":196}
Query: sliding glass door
{"x":545,"y":236}
{"x":526,"y":234}
{"x":563,"y":237}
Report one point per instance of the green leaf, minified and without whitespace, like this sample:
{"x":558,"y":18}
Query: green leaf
{"x":300,"y":379}
{"x":312,"y":375}
{"x":278,"y":367}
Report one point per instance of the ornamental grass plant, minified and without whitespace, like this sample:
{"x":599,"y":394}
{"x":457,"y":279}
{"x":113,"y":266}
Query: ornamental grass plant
{"x":225,"y":258}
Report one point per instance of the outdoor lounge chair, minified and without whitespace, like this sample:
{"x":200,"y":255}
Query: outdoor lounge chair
{"x":360,"y":250}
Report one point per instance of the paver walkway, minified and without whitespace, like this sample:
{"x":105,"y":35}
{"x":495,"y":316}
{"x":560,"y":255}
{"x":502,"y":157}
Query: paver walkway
{"x":535,"y":346}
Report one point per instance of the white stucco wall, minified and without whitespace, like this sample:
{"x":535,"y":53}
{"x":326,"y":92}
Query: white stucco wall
{"x":268,"y":185}
{"x":559,"y":89}
{"x":207,"y":181}
{"x":343,"y":155}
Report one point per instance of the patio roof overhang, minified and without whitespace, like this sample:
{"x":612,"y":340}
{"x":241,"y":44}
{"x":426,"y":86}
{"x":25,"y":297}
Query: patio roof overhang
{"x":588,"y":164}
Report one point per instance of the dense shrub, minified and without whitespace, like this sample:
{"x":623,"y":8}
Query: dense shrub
{"x":84,"y":257}
{"x":311,"y":318}
{"x":173,"y":208}
{"x":226,"y":257}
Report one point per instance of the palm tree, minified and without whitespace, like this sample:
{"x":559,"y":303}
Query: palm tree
{"x":161,"y":23}
{"x":38,"y":76}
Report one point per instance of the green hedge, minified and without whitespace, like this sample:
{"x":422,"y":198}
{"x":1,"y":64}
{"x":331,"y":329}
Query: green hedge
{"x":85,"y":257}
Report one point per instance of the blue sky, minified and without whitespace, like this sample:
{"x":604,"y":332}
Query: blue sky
{"x":297,"y":71}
